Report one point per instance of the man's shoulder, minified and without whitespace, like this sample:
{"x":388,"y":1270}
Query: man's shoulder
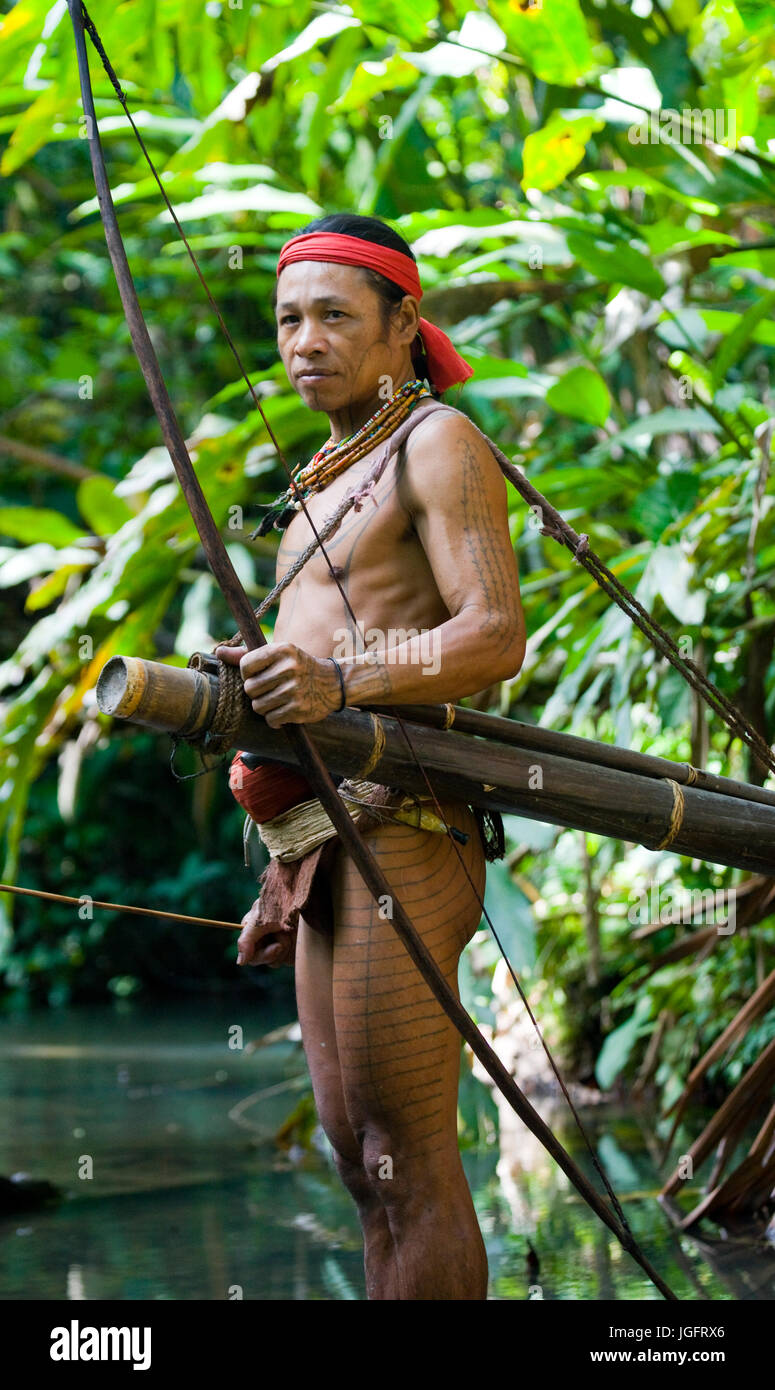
{"x":440,"y":423}
{"x":444,"y":445}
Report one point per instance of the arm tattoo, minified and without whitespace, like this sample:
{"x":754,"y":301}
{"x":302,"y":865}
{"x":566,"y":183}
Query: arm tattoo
{"x":484,"y":551}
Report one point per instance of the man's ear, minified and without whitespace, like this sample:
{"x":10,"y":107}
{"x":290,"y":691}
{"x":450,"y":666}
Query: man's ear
{"x":407,"y":320}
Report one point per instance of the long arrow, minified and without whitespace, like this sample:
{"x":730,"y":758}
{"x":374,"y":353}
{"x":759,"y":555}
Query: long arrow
{"x":308,"y":756}
{"x":116,"y":907}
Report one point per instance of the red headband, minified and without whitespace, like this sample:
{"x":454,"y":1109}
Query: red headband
{"x":445,"y":366}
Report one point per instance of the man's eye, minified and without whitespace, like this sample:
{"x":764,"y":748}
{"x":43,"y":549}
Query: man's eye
{"x":288,"y":318}
{"x":338,"y":312}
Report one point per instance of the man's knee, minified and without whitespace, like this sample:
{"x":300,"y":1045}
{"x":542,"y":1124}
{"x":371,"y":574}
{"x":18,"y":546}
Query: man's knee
{"x":355,"y":1178}
{"x":399,"y":1179}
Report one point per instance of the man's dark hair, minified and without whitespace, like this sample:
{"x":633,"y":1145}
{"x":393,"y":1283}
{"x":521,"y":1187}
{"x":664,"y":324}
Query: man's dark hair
{"x":373,"y":229}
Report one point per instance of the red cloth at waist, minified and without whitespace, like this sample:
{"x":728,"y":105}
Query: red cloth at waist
{"x":267,"y":790}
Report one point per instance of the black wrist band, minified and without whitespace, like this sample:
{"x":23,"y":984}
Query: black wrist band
{"x":341,"y":680}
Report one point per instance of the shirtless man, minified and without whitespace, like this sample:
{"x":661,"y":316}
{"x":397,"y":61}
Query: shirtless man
{"x":433,"y":555}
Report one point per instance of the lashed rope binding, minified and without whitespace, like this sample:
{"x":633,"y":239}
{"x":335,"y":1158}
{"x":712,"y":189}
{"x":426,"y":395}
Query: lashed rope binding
{"x":676,"y":815}
{"x":232,"y":706}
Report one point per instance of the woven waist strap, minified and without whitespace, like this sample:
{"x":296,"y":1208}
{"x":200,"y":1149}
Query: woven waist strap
{"x":296,"y":832}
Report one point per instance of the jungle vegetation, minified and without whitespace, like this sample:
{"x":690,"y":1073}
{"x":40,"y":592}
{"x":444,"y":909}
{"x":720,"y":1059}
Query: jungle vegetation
{"x":589,"y":187}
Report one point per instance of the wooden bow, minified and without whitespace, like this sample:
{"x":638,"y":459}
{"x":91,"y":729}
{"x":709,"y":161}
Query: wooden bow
{"x":308,"y":756}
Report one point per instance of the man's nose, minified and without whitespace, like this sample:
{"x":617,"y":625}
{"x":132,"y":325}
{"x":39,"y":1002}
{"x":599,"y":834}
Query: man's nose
{"x":309,"y":338}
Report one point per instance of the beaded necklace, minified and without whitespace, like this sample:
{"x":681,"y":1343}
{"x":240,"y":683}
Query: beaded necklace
{"x":334,"y":457}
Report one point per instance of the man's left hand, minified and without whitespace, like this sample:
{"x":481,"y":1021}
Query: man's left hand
{"x":284,"y":683}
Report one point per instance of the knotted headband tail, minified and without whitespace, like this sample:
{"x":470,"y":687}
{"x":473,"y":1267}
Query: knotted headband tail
{"x":445,"y":366}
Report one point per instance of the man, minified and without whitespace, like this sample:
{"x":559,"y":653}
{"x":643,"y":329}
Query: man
{"x":430,"y":554}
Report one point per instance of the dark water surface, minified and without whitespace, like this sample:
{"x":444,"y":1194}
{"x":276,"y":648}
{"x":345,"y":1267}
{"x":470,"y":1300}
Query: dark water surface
{"x":190,"y":1198}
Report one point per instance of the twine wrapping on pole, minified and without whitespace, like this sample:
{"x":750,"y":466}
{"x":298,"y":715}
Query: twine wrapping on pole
{"x":378,"y":747}
{"x":676,"y":815}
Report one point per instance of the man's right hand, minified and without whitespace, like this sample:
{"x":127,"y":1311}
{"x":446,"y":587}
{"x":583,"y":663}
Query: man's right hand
{"x":258,"y":946}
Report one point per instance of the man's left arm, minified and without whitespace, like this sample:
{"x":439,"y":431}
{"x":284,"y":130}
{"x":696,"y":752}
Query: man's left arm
{"x":456,"y":495}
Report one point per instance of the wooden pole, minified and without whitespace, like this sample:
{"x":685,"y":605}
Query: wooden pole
{"x":588,"y":750}
{"x":469,"y":721}
{"x":562,"y":790}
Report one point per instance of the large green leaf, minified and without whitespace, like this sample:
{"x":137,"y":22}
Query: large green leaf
{"x":18,"y":566}
{"x":100,"y":507}
{"x":640,"y":435}
{"x":582,"y":394}
{"x":371,"y":80}
{"x":410,"y":22}
{"x":735,"y":343}
{"x":669,"y":574}
{"x":550,"y":36}
{"x":512,"y":913}
{"x":658,"y":189}
{"x":727,"y":322}
{"x":32,"y":131}
{"x":664,"y":503}
{"x":550,"y":154}
{"x":30,"y":524}
{"x":618,"y":1046}
{"x":617,"y":265}
{"x":318,"y":116}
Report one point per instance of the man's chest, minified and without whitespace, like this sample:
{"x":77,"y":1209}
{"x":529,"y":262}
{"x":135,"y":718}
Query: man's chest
{"x":380,"y":530}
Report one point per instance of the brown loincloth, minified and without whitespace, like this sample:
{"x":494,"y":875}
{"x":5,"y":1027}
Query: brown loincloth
{"x":302,"y":887}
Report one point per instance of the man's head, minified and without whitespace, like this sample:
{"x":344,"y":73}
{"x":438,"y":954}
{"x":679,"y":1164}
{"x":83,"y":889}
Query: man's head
{"x":346,"y":333}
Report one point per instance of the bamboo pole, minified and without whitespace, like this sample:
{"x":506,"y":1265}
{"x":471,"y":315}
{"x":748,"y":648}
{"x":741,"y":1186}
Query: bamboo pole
{"x":512,"y":731}
{"x":588,"y":750}
{"x":563,"y":790}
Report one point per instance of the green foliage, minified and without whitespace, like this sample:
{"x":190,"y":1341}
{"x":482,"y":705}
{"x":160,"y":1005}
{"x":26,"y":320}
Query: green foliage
{"x":618,"y":1046}
{"x":582,"y":394}
{"x":131,"y":841}
{"x":613,"y":291}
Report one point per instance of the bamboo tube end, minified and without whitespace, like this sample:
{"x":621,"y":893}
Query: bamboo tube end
{"x":205,"y":662}
{"x":121,"y":686}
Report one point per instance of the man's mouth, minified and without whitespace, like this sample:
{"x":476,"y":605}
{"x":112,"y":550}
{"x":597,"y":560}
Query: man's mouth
{"x":313,"y":375}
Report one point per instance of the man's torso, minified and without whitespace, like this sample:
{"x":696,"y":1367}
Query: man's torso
{"x":379,"y":561}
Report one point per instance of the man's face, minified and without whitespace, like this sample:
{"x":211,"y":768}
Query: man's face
{"x":331,"y":335}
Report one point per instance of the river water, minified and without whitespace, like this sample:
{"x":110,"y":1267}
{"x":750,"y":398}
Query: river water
{"x":159,"y":1131}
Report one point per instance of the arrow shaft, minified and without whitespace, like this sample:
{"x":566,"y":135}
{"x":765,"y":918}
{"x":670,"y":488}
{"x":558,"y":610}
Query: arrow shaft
{"x":116,"y":907}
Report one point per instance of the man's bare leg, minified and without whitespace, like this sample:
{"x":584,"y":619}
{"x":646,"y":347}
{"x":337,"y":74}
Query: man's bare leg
{"x":399,"y":1059}
{"x":314,"y":997}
